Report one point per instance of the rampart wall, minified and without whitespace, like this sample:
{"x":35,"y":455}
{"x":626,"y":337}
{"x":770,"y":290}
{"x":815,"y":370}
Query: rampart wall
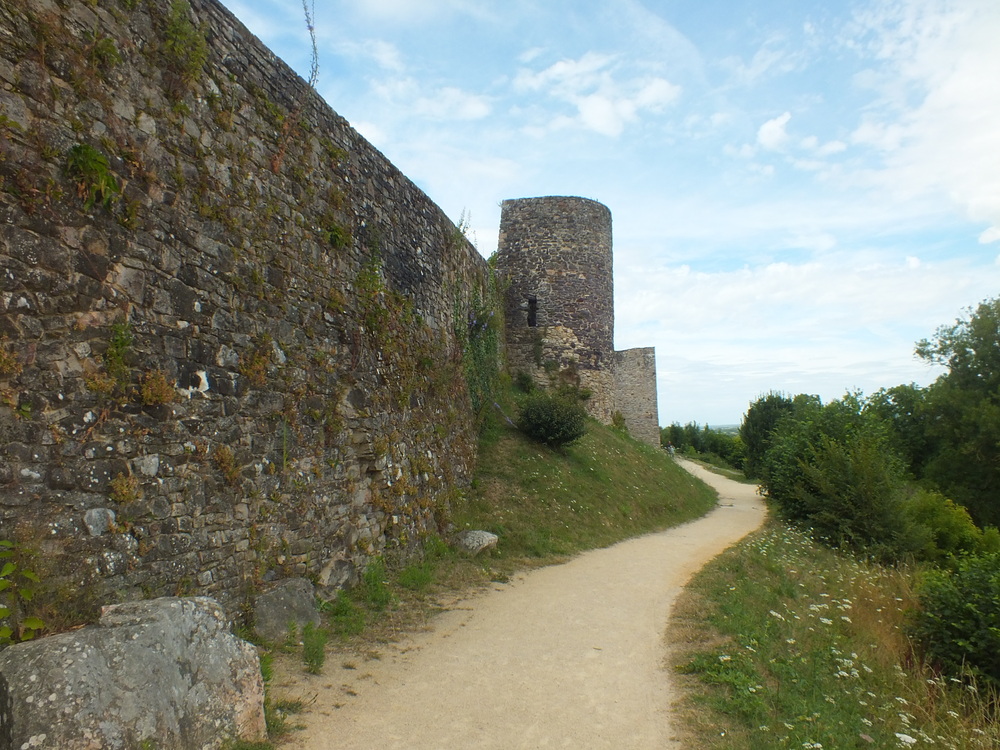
{"x":635,"y":393}
{"x":228,"y":343}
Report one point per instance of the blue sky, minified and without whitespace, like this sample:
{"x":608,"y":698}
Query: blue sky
{"x":800,"y":189}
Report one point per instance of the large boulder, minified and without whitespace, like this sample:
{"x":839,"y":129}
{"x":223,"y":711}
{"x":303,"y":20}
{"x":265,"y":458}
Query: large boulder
{"x":291,"y":605}
{"x":165,"y":672}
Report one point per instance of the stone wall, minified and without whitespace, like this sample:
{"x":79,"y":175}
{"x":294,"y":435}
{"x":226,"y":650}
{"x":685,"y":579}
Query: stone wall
{"x":227,"y":350}
{"x":635,"y":393}
{"x":555,"y":255}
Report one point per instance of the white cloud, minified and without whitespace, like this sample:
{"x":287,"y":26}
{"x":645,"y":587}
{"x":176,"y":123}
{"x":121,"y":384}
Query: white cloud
{"x":450,"y":103}
{"x":816,"y":327}
{"x":772,"y":135}
{"x":936,"y":121}
{"x":604,"y":104}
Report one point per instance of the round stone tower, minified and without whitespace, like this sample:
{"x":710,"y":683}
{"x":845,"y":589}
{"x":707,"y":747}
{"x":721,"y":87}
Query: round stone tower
{"x":555,"y":254}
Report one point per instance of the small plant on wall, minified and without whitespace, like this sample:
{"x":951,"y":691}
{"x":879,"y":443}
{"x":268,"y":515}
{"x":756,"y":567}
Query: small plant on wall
{"x":95,"y":184}
{"x":481,"y":337}
{"x":184,"y":44}
{"x":17,"y":588}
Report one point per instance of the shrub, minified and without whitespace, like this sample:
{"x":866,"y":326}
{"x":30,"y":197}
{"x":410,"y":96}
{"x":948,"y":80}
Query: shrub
{"x":156,"y":389}
{"x":939,"y":529}
{"x":958,"y":622}
{"x":553,"y":419}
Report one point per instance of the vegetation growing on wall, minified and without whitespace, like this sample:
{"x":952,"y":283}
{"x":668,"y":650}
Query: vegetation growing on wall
{"x":481,"y":339}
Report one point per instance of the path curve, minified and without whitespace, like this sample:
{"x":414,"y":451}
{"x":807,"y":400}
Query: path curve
{"x":565,"y":656}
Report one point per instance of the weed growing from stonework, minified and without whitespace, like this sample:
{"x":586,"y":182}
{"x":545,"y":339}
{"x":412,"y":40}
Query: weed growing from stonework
{"x":103,"y":54}
{"x":10,"y":362}
{"x":17,"y":588}
{"x":184,"y":44}
{"x":94,"y":182}
{"x":124,"y":489}
{"x":156,"y":389}
{"x":225,"y":461}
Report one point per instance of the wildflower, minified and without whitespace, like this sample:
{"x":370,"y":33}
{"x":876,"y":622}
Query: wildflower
{"x":825,"y":621}
{"x":905,"y":740}
{"x":724,"y":657}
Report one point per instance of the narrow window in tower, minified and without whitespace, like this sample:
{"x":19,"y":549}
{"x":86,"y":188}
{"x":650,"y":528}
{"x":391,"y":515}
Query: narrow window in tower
{"x":532,"y":312}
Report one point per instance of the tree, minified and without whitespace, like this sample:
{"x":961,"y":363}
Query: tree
{"x":963,"y":412}
{"x":757,"y":429}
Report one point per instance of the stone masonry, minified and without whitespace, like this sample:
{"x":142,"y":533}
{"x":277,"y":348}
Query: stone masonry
{"x":555,"y":257}
{"x":228,"y":345}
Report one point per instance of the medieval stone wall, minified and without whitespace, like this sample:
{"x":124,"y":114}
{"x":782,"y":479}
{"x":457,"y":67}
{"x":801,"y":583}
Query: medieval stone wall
{"x":555,"y":255}
{"x":635,"y":393}
{"x":227,"y":347}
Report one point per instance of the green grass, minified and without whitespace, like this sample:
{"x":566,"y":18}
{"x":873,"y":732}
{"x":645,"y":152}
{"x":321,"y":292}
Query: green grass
{"x":547,"y":504}
{"x":544,"y":504}
{"x":787,"y":644}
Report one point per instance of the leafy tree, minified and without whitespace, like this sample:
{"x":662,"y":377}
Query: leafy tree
{"x":963,"y":412}
{"x":757,"y":429}
{"x":905,"y":408}
{"x":834,"y":468}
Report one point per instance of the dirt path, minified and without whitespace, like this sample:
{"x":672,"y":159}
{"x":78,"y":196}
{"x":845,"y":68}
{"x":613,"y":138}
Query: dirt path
{"x":565,"y":656}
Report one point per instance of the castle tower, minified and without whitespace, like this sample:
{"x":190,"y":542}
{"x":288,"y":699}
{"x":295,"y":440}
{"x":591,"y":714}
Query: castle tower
{"x":555,"y":254}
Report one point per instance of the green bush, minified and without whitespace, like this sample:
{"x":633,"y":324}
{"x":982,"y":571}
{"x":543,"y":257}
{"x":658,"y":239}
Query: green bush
{"x":939,"y":529}
{"x":958,"y":622}
{"x":552,"y":418}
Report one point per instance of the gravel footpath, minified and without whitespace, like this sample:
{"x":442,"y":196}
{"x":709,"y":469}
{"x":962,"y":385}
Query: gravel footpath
{"x":568,"y":656}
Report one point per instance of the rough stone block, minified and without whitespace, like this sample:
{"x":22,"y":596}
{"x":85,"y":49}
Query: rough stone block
{"x":165,"y":670}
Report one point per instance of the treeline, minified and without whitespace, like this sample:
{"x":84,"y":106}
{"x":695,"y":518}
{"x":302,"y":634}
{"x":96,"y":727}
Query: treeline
{"x":907,"y":473}
{"x":704,"y":441}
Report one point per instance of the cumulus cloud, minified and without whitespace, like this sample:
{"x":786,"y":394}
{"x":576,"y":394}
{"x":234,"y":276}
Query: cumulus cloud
{"x":772,"y":134}
{"x":593,"y":85}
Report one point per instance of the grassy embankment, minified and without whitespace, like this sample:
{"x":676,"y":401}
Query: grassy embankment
{"x":545,"y":505}
{"x":788,"y":644}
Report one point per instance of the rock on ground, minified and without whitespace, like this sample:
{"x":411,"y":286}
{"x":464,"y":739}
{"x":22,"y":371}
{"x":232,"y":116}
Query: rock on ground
{"x":292,"y":603}
{"x":475,"y":541}
{"x":166,"y":672}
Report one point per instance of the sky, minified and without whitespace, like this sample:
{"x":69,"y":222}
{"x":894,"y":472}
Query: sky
{"x":800,"y":189}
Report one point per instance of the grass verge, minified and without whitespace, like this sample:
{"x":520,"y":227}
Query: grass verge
{"x":782,"y":643}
